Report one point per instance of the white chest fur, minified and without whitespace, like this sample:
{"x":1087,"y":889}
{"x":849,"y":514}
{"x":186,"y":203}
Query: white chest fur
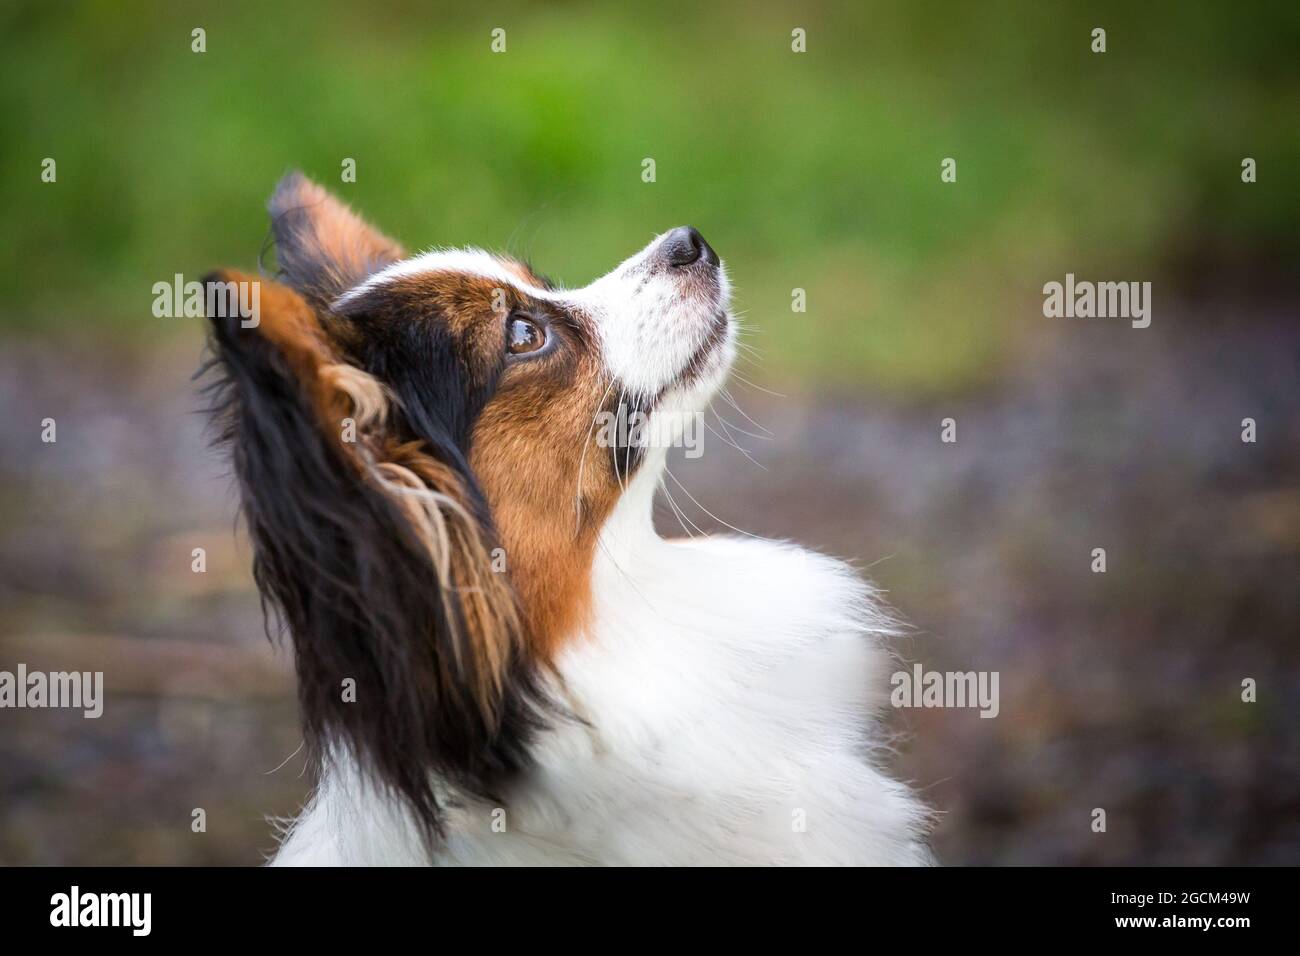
{"x":727,"y":693}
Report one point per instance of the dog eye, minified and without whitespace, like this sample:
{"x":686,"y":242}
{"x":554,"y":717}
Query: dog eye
{"x":523,"y":336}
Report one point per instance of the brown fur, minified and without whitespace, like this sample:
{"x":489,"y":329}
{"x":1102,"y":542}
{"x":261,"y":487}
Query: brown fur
{"x":528,"y":456}
{"x":524,"y":272}
{"x":527,"y":446}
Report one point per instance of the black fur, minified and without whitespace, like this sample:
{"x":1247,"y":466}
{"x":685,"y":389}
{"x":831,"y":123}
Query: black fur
{"x":357,"y":592}
{"x":627,"y":451}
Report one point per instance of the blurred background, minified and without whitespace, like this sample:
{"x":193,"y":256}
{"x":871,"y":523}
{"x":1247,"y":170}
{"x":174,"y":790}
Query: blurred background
{"x":817,"y":171}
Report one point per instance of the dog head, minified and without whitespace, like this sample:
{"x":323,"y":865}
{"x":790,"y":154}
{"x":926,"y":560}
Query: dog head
{"x":423,"y":476}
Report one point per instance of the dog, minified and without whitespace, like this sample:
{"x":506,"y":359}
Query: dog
{"x":499,"y":660}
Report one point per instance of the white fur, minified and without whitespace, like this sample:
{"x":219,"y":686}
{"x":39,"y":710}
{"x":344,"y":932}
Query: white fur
{"x":469,"y":260}
{"x":728,"y":687}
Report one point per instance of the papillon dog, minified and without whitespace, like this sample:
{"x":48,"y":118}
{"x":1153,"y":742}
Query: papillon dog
{"x":499,"y":660}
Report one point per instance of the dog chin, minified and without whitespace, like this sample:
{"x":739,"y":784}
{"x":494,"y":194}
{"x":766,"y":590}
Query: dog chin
{"x":704,"y":375}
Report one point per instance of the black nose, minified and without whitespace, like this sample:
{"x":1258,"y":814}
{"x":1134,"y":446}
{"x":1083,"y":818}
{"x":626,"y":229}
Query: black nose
{"x":685,"y":245}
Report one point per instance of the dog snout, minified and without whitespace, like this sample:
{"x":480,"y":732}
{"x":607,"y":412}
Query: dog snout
{"x":685,"y":246}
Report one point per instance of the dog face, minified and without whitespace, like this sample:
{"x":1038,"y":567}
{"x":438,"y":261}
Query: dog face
{"x":535,"y":367}
{"x":422,"y":475}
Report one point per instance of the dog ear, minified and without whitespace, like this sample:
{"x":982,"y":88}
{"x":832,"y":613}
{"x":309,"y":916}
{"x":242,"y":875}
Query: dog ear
{"x":376,"y":553}
{"x":323,"y":247}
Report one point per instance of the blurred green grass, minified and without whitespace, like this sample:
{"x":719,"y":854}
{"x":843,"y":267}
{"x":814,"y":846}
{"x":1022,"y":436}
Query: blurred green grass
{"x":818,"y":171}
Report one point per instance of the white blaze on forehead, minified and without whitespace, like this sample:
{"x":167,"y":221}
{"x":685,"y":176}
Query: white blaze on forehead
{"x":469,"y":261}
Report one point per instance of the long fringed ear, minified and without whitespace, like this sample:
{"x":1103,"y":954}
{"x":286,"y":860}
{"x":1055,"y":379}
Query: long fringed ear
{"x":409,"y":649}
{"x":323,"y":247}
